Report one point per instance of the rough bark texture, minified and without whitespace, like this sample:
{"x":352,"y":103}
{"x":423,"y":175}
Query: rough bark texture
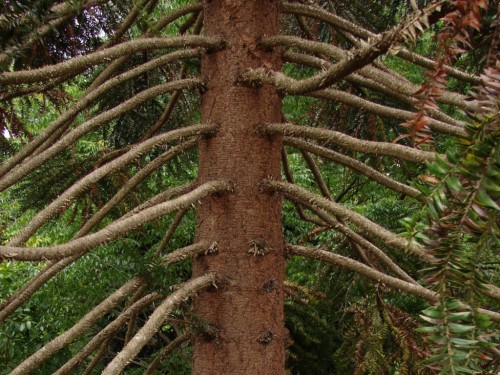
{"x":246,"y":313}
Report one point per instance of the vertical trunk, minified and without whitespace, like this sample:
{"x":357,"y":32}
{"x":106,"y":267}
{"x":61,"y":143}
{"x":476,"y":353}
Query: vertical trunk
{"x":244,"y":316}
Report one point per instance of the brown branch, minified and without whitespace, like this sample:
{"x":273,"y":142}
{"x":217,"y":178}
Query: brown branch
{"x":166,"y":351}
{"x":384,"y":111}
{"x":83,"y":324}
{"x":87,"y":99}
{"x":316,"y":174}
{"x":288,"y":175}
{"x":198,"y":24}
{"x":64,"y":12}
{"x":133,"y":182}
{"x":22,"y":295}
{"x":155,"y":321}
{"x":84,"y":183}
{"x":115,"y":229}
{"x":55,"y":267}
{"x":365,"y":34}
{"x":358,"y":267}
{"x":312,"y":200}
{"x":414,"y":289}
{"x":97,"y":358}
{"x":23,"y":169}
{"x":343,"y":140}
{"x":170,"y":232}
{"x":203,"y":247}
{"x":353,"y":164}
{"x":385,"y":79}
{"x":78,"y":64}
{"x":107,"y":332}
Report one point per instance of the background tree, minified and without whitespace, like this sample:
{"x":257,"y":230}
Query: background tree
{"x":100,"y":173}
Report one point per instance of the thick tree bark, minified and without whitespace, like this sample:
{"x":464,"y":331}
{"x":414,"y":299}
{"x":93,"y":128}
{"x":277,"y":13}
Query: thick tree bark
{"x":245,"y":315}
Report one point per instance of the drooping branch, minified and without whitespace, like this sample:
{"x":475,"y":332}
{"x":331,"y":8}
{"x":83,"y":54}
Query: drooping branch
{"x":414,"y":289}
{"x":97,"y":357}
{"x":83,"y":324}
{"x":126,"y":23}
{"x":133,"y":182}
{"x":110,"y":329}
{"x":115,"y":229}
{"x":358,"y":267}
{"x":179,"y":12}
{"x":189,"y":289}
{"x":343,"y":140}
{"x":289,"y":177}
{"x":55,"y":267}
{"x":87,"y":99}
{"x":363,"y":244}
{"x":384,"y":111}
{"x":26,"y":292}
{"x":309,"y":199}
{"x":323,"y":188}
{"x":167,"y":112}
{"x":29,"y":165}
{"x":166,"y":351}
{"x":70,"y":194}
{"x":170,"y":231}
{"x":353,"y":164}
{"x":79,"y":64}
{"x":359,"y":31}
{"x":63,"y":12}
{"x":384,"y":79}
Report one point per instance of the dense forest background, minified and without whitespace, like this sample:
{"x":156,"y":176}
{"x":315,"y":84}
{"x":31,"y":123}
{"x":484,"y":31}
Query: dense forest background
{"x":339,"y":321}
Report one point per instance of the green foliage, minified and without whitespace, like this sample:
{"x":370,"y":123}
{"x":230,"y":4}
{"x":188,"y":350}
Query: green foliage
{"x":462,"y":235}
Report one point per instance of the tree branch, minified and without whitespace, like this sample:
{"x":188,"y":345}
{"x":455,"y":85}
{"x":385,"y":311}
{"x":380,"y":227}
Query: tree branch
{"x":23,"y":169}
{"x":396,"y":84}
{"x":384,"y":111}
{"x":189,"y":289}
{"x":55,"y":267}
{"x":166,"y":351}
{"x":107,"y":332}
{"x":171,"y":230}
{"x":362,"y":242}
{"x":312,"y":200}
{"x":83,"y":324}
{"x":353,"y":164}
{"x":87,"y":99}
{"x":83,"y":184}
{"x":363,"y":33}
{"x":133,"y":182}
{"x":360,"y":268}
{"x":289,"y":178}
{"x":202,"y":247}
{"x":115,"y":229}
{"x":79,"y":64}
{"x":343,"y":140}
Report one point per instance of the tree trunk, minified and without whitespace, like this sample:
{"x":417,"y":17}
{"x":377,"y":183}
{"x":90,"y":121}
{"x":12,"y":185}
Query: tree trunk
{"x":241,"y":325}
